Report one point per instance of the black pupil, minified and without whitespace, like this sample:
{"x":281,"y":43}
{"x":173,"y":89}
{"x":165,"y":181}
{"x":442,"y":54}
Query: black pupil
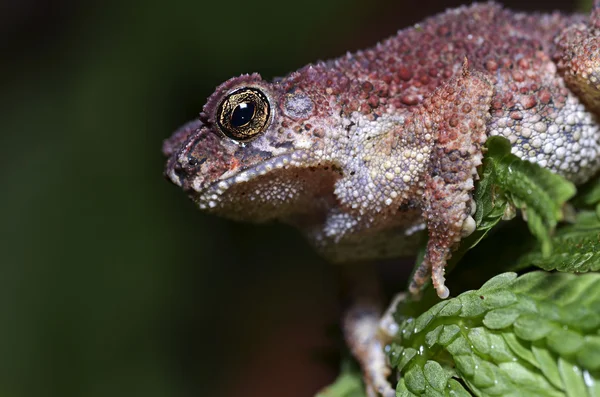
{"x":242,"y":114}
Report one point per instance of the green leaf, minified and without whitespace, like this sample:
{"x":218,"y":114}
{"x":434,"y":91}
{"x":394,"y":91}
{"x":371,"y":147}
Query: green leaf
{"x":348,"y":383}
{"x":508,"y":180}
{"x":435,"y":375}
{"x":456,"y":389}
{"x":501,"y":318}
{"x":576,"y":247}
{"x":402,"y":390}
{"x":531,"y":327}
{"x":415,"y":379}
{"x":572,"y":378}
{"x":589,"y":194}
{"x":513,"y":334}
{"x":547,"y":364}
{"x":498,"y":282}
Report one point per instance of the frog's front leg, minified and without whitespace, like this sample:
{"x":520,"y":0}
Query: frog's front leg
{"x":456,"y":114}
{"x":360,"y":325}
{"x":578,"y":59}
{"x":361,"y":331}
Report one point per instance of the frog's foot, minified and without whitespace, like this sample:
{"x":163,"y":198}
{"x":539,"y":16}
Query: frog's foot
{"x":361,"y":330}
{"x":578,"y":59}
{"x":458,"y":112}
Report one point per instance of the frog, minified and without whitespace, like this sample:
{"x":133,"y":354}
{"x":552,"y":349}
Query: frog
{"x":368,"y":152}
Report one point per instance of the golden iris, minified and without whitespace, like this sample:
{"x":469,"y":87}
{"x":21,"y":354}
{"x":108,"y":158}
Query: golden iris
{"x":243,"y":114}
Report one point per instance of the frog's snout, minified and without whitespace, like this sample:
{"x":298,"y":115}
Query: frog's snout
{"x":198,"y":160}
{"x":186,"y":167}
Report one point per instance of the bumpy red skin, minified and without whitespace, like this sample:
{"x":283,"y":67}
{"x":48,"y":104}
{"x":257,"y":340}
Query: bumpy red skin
{"x":362,"y":150}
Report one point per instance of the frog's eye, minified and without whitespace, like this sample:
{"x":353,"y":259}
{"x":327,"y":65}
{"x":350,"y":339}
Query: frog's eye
{"x":243,"y":114}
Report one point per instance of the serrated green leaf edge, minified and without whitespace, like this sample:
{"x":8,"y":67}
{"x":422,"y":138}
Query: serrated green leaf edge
{"x":348,"y":383}
{"x":575,"y":248}
{"x":508,"y":180}
{"x":505,"y":357}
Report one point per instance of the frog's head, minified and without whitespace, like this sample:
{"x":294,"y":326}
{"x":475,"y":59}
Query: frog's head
{"x":257,"y":152}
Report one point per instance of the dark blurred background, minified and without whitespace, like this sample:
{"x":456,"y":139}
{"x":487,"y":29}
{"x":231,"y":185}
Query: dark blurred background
{"x":111,"y":282}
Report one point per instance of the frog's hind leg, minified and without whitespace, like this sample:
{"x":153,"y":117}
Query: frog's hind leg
{"x":578,"y":59}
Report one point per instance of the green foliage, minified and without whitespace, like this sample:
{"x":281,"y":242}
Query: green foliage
{"x":348,"y":383}
{"x":508,"y":182}
{"x":576,"y":247}
{"x":536,"y":335}
{"x":541,"y":195}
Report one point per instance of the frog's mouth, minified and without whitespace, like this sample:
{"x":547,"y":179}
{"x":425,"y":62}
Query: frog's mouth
{"x":281,"y":187}
{"x":288,"y":187}
{"x":245,"y":175}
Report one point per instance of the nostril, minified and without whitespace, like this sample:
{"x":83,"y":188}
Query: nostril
{"x":188,"y":168}
{"x":196,"y":161}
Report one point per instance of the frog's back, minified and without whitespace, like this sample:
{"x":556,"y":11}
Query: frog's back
{"x":532,"y":107}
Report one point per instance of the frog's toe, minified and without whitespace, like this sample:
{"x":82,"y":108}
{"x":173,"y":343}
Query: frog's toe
{"x":468,"y":226}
